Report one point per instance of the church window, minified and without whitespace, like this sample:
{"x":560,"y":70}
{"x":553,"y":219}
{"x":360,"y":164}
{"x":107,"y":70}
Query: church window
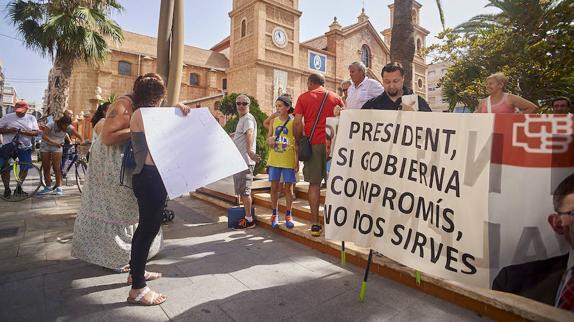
{"x":243,"y":28}
{"x":420,"y":83}
{"x":124,"y":68}
{"x":419,"y":45}
{"x":366,"y":55}
{"x":224,"y":84}
{"x":194,"y":79}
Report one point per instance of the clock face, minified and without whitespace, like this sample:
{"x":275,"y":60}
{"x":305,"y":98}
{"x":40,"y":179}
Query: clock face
{"x":279,"y":37}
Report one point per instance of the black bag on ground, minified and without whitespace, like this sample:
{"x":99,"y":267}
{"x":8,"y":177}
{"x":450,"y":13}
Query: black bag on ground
{"x":305,"y":150}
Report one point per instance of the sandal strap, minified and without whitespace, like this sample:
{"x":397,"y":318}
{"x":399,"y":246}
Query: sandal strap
{"x":142,"y":294}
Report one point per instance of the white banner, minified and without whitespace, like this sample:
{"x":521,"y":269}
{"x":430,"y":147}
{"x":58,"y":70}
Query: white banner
{"x":189,"y":152}
{"x":414,"y":186}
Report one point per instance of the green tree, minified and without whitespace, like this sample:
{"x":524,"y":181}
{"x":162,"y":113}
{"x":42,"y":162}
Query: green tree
{"x":67,"y":31}
{"x":227,"y":107}
{"x":530,"y":41}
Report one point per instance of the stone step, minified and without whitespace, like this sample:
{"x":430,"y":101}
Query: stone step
{"x":302,"y":191}
{"x":299,"y":209}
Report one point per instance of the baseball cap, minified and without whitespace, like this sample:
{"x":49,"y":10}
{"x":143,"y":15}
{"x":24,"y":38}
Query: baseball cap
{"x":21,"y":107}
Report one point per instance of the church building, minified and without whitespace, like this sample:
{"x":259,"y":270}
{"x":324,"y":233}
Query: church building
{"x":262,"y":57}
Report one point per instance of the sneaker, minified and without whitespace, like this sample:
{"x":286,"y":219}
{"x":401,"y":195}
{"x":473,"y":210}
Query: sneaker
{"x":274,"y":221}
{"x":316,"y":230}
{"x":244,"y":224}
{"x":289,"y":221}
{"x":46,"y":190}
{"x":58,"y":191}
{"x":7,"y":193}
{"x":19,"y":192}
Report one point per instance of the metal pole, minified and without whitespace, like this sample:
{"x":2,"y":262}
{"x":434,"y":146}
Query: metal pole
{"x":164,"y":38}
{"x":363,"y":291}
{"x":176,"y":58}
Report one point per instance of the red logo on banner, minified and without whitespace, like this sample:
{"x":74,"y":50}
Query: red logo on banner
{"x":537,"y":141}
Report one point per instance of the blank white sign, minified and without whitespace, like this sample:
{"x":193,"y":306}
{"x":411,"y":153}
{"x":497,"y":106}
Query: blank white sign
{"x":189,"y":151}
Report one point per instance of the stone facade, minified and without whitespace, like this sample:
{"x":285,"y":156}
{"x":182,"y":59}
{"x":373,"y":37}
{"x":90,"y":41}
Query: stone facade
{"x":262,"y":57}
{"x":435,"y":98}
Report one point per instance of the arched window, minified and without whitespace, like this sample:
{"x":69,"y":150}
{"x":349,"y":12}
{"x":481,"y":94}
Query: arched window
{"x":419,"y":45}
{"x":243,"y":27}
{"x":366,"y":55}
{"x":124,"y":68}
{"x":194,"y":79}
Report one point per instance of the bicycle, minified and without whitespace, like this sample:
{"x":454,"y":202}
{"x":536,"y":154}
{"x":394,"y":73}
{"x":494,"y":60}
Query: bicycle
{"x":25,"y":178}
{"x":79,"y":162}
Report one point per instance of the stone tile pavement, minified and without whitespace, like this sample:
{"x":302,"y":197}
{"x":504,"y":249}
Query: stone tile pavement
{"x":210,"y":274}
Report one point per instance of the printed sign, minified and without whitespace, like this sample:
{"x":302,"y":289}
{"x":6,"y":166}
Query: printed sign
{"x":317,"y":62}
{"x":454,"y":195}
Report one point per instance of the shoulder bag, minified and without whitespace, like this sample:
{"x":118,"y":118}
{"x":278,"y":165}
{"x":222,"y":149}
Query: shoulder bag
{"x":305,"y":149}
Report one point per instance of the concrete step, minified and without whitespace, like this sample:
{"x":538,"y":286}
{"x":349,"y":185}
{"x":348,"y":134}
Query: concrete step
{"x":299,"y":209}
{"x":302,"y":191}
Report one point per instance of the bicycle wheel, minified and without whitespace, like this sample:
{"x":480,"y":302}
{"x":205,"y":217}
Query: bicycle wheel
{"x":52,"y":176}
{"x":81,"y":173}
{"x":25,"y":180}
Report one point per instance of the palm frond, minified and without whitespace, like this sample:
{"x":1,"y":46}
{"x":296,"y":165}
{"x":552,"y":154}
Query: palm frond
{"x":441,"y":14}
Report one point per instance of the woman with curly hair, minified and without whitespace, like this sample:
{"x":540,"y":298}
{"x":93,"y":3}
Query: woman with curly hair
{"x":109,"y":214}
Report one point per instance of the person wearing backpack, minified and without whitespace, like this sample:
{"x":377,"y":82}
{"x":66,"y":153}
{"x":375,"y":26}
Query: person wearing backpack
{"x":282,"y":161}
{"x":311,"y":112}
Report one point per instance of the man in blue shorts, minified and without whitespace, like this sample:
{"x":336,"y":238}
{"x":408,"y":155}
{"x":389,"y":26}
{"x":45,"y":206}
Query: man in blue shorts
{"x":9,"y":126}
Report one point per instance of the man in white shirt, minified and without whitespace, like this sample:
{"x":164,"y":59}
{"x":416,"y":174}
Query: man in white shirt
{"x":9,"y":126}
{"x":362,"y":88}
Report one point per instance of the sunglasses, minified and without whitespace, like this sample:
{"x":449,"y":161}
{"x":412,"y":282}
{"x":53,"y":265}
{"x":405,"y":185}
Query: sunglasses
{"x":569,"y":213}
{"x":241,"y":103}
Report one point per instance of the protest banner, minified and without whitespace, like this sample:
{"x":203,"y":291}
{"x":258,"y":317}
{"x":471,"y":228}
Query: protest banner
{"x":189,"y":152}
{"x":440,"y":192}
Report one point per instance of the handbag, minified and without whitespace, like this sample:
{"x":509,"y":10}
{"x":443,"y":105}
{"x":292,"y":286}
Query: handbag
{"x":128,"y":161}
{"x":305,"y":150}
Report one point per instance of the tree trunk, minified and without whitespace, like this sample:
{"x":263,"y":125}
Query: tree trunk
{"x":403,"y":39}
{"x":59,"y":85}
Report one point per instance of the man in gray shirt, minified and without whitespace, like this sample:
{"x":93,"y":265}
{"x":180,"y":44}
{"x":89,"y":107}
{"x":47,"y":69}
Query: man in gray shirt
{"x":245,"y":140}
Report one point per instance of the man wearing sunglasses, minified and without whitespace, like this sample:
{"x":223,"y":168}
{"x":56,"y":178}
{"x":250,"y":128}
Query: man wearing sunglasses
{"x":245,"y":140}
{"x":551,"y":280}
{"x":562,"y":222}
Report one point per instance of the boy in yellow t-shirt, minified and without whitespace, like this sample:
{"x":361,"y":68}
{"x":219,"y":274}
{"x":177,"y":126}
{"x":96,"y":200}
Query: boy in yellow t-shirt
{"x":282,"y":161}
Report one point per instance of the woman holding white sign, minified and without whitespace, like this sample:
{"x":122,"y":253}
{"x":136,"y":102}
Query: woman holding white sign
{"x":109,"y":214}
{"x":499,"y":101}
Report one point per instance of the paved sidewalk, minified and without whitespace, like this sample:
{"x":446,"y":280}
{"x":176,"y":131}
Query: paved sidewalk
{"x":210,"y":274}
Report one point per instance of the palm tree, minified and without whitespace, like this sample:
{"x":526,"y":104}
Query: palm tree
{"x":402,"y":36}
{"x":67,"y":31}
{"x":520,"y":15}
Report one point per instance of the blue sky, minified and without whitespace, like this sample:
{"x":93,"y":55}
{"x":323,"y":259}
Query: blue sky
{"x":207,"y":22}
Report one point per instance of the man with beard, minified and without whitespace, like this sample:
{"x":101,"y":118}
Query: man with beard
{"x":391,"y":99}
